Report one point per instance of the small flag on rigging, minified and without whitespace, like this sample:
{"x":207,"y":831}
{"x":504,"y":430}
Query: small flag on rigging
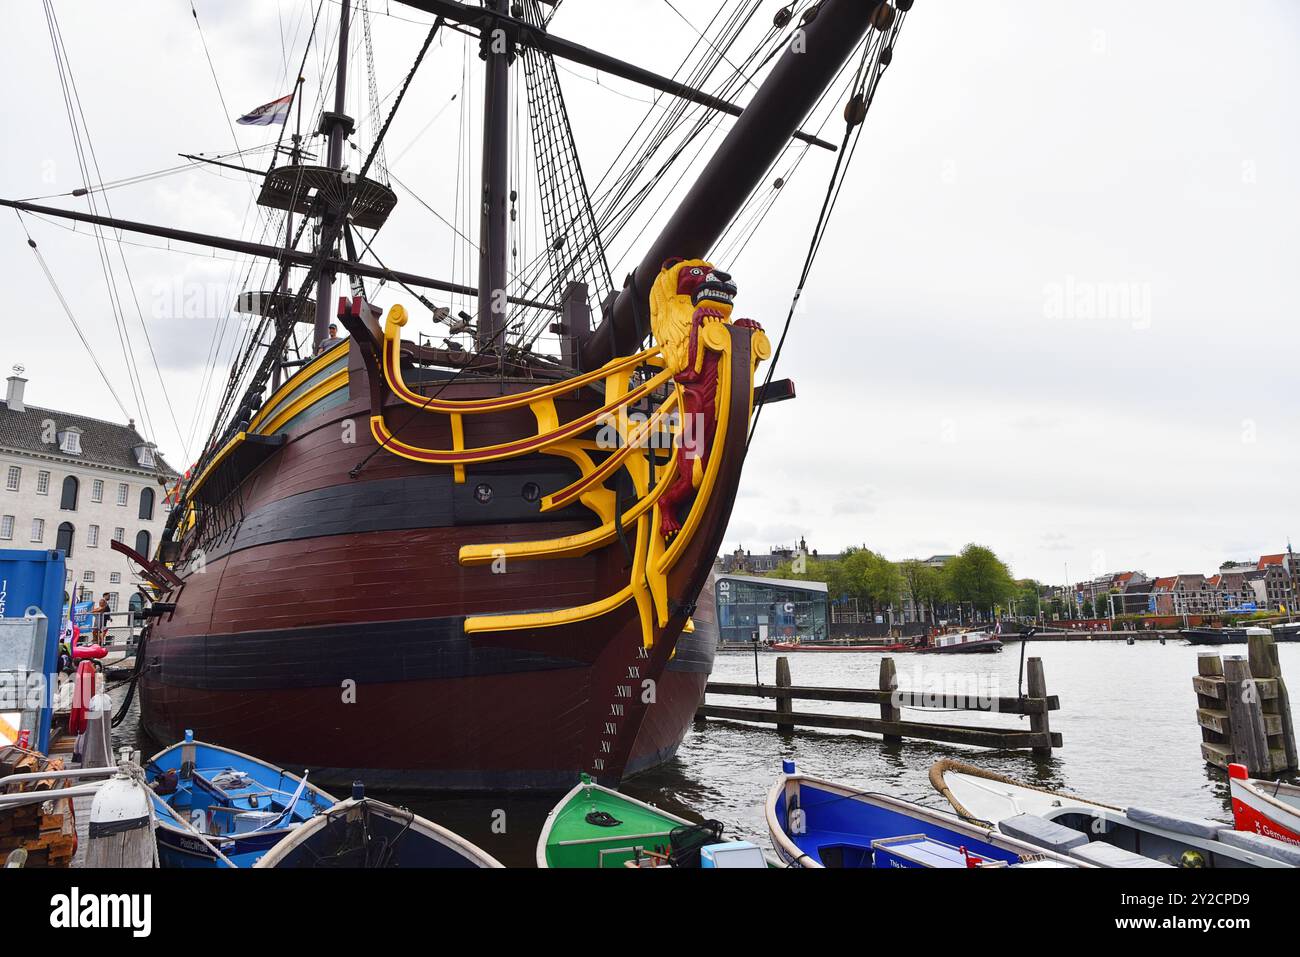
{"x":277,"y":111}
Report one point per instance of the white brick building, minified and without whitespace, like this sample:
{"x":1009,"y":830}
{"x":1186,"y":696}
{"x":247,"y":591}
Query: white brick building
{"x":75,"y":483}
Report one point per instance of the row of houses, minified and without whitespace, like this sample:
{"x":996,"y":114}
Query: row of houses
{"x":1269,"y":583}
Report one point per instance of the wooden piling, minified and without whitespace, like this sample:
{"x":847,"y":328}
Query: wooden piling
{"x":1244,"y":710}
{"x":1245,"y":716}
{"x":784,"y":703}
{"x":888,"y":710}
{"x":1038,"y":723}
{"x":1211,"y":713}
{"x":891,"y":724}
{"x":1277,"y":708}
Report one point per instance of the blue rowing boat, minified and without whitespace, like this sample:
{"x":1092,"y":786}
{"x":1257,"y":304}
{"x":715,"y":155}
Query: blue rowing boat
{"x":241,"y":805}
{"x":816,"y":823}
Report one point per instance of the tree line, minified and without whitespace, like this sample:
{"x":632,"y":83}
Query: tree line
{"x":976,"y":578}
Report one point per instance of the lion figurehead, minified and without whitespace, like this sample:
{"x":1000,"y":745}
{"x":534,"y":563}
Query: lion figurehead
{"x":683,"y":288}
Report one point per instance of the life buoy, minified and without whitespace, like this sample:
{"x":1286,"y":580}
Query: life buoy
{"x":83,"y":690}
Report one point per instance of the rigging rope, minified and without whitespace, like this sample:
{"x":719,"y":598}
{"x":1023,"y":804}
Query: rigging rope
{"x":58,"y":294}
{"x":870,"y":70}
{"x":329,"y":236}
{"x":84,"y":150}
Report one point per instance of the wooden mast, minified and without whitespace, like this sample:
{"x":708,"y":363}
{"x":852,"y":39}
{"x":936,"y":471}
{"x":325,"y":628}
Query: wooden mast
{"x":498,"y":51}
{"x":335,"y":125}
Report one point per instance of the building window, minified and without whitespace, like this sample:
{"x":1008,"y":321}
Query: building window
{"x":85,"y":594}
{"x":114,"y":578}
{"x":88,"y":577}
{"x":70,"y":442}
{"x":7,"y":528}
{"x":122,"y":492}
{"x":146,"y":504}
{"x":142,"y":543}
{"x":71,"y":487}
{"x":38,"y":529}
{"x":119,"y":534}
{"x":92,"y":536}
{"x":42,"y":483}
{"x":112,"y":601}
{"x":144,"y":456}
{"x":97,"y":490}
{"x":63,"y":541}
{"x":13,"y":479}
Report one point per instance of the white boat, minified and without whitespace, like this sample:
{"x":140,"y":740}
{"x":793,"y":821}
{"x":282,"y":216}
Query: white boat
{"x":363,"y":833}
{"x":962,"y":643}
{"x":1099,"y":833}
{"x":1270,"y":808}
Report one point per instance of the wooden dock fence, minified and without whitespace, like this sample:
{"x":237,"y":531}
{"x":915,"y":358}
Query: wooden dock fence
{"x":1244,"y":710}
{"x":1037,"y":704}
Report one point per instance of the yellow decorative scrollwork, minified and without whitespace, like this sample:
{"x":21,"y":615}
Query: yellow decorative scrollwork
{"x":652,"y":468}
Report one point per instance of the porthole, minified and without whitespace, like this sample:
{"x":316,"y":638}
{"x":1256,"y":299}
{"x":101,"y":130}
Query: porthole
{"x":483,"y":492}
{"x":531,"y":491}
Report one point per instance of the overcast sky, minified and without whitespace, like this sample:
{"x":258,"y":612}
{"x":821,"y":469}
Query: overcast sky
{"x":1055,"y":312}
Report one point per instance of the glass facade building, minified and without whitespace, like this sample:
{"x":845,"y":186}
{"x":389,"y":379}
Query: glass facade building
{"x":776,"y":608}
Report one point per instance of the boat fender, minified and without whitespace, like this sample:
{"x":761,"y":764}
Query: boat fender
{"x":120,"y":805}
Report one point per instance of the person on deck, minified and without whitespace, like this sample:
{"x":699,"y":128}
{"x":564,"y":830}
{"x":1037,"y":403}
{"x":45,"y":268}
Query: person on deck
{"x":100,"y":611}
{"x":329,"y":343}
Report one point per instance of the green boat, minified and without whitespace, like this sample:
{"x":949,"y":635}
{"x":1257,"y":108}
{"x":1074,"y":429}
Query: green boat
{"x":593,"y":826}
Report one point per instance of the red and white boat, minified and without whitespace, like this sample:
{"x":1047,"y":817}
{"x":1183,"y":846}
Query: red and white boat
{"x":1270,"y":808}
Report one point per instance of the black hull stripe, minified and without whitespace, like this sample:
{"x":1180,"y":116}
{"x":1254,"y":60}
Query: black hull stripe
{"x":386,"y":651}
{"x":412,"y":502}
{"x":316,"y":657}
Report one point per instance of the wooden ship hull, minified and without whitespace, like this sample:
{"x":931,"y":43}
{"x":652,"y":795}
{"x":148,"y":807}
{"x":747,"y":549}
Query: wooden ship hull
{"x":326,"y":626}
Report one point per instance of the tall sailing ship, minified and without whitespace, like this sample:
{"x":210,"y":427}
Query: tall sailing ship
{"x":437,"y":566}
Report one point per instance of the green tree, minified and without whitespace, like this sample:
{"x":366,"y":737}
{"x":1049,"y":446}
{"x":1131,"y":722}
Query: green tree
{"x":979,"y":577}
{"x":870,"y":578}
{"x":923,"y":584}
{"x":1028,"y":600}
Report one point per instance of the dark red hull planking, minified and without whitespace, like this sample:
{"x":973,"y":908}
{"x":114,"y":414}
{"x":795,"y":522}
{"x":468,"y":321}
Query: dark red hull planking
{"x":325,"y":629}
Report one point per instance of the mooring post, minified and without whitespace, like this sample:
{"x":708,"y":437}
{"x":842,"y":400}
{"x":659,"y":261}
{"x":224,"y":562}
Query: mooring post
{"x":1246,"y":716}
{"x":784,"y":704}
{"x":1211,"y":711}
{"x":889,"y":684}
{"x":1277,"y":708}
{"x":1039,"y":722}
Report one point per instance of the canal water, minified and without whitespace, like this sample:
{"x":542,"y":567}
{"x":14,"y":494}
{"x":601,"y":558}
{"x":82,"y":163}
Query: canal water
{"x":1127,"y":718}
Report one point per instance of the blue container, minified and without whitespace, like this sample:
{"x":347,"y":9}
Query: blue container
{"x":33,"y":579}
